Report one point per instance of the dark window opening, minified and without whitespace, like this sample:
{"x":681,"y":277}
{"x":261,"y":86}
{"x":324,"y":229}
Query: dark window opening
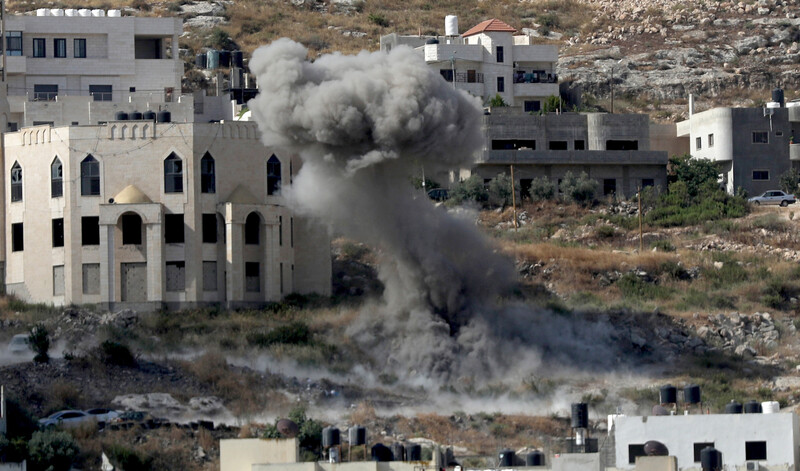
{"x":532,"y":106}
{"x":90,"y":230}
{"x":79,"y":48}
{"x":525,"y":187}
{"x":252,"y":277}
{"x":56,"y":179}
{"x":13,"y":127}
{"x":209,"y":228}
{"x":710,"y":140}
{"x":39,"y":47}
{"x":131,"y":229}
{"x":609,"y":186}
{"x":500,"y":55}
{"x":280,"y":231}
{"x":252,"y":232}
{"x":447,"y":74}
{"x":472,"y":76}
{"x":173,"y":228}
{"x":17,"y":244}
{"x":501,"y":84}
{"x":557,"y":145}
{"x":147,"y":48}
{"x":173,"y":174}
{"x":291,"y":232}
{"x":614,"y":144}
{"x":45,"y":92}
{"x":513,"y":144}
{"x":273,"y":175}
{"x":698,"y":143}
{"x":698,"y":447}
{"x":207,"y":174}
{"x":648,"y":182}
{"x":760,"y":137}
{"x":14,"y":43}
{"x":101,"y":92}
{"x":90,"y":177}
{"x":16,"y":182}
{"x":59,"y":47}
{"x":760,"y":174}
{"x":755,"y":451}
{"x":580,"y":144}
{"x":58,"y":232}
{"x":635,"y":450}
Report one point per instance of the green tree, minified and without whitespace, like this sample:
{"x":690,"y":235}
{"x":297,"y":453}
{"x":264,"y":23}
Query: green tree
{"x":551,"y":104}
{"x":52,"y":450}
{"x":542,"y":189}
{"x":693,"y":172}
{"x":220,"y":39}
{"x":39,"y":342}
{"x":471,"y":189}
{"x":309,"y":435}
{"x":500,"y":189}
{"x":497,"y":102}
{"x":789,"y":181}
{"x":580,"y":189}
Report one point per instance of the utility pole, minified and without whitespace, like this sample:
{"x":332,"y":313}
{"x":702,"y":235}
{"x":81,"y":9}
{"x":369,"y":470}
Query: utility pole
{"x":513,"y":198}
{"x":641,"y":232}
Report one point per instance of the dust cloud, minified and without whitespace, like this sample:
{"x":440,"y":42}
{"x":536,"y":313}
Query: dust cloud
{"x":362,"y":125}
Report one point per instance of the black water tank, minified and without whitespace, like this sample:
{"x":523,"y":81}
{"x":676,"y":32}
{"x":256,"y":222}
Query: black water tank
{"x":398,"y":451}
{"x":580,"y":415}
{"x":381,"y":452}
{"x":224,"y":58}
{"x":164,"y":117}
{"x":135,"y":116}
{"x":200,"y":61}
{"x":691,"y":394}
{"x":752,"y":407}
{"x":534,"y":458}
{"x":237,"y":59}
{"x":357,"y":435}
{"x":121,"y":116}
{"x":414,"y":452}
{"x":668,"y":394}
{"x":710,"y":459}
{"x":654,"y":448}
{"x":733,"y":407}
{"x":331,"y":437}
{"x":432,"y":41}
{"x":149,"y":115}
{"x":777,"y":95}
{"x":506,"y":458}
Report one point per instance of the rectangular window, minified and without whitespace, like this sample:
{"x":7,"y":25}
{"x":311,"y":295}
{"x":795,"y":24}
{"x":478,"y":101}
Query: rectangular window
{"x":91,"y":278}
{"x":176,"y":276}
{"x":580,"y":144}
{"x":291,"y":232}
{"x":557,"y":145}
{"x":500,"y":56}
{"x":209,"y":228}
{"x":39,"y":47}
{"x":209,"y":276}
{"x":58,"y":232}
{"x":14,"y":43}
{"x":615,"y":144}
{"x":207,"y":177}
{"x":761,"y":175}
{"x":698,"y":447}
{"x":90,"y":230}
{"x":755,"y":451}
{"x":501,"y":84}
{"x":45,"y":92}
{"x":648,"y":182}
{"x":710,"y":140}
{"x":280,"y":268}
{"x":58,"y":280}
{"x":101,"y":92}
{"x":698,"y":143}
{"x":252,"y":277}
{"x":13,"y":127}
{"x":634,"y":451}
{"x":609,"y":186}
{"x":173,"y":228}
{"x":760,"y":137}
{"x":447,"y":74}
{"x":59,"y":47}
{"x":532,"y":106}
{"x":280,"y":231}
{"x":79,"y":48}
{"x":131,"y":229}
{"x":17,"y":241}
{"x":472,"y":76}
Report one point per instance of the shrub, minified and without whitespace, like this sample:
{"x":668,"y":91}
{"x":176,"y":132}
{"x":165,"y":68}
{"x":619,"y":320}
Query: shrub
{"x":220,"y":39}
{"x":542,"y":189}
{"x":605,"y":232}
{"x":378,"y":19}
{"x":296,"y":333}
{"x":309,"y":435}
{"x":39,"y":341}
{"x":471,"y":189}
{"x":500,"y":189}
{"x":580,"y":189}
{"x":127,"y":458}
{"x":497,"y":101}
{"x":548,"y":20}
{"x":631,"y":286}
{"x":663,"y":245}
{"x":770,"y":222}
{"x":52,"y":450}
{"x":115,"y":353}
{"x":552,"y":103}
{"x":789,"y":181}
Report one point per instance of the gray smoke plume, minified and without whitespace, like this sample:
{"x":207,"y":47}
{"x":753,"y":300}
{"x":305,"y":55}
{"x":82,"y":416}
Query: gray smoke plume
{"x":362,"y":125}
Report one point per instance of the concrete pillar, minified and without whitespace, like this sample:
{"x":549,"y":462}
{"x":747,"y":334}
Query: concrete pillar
{"x":234,"y":262}
{"x":107,"y":264}
{"x":155,"y":262}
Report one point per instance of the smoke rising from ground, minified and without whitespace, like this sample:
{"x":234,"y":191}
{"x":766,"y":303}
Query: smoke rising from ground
{"x":362,"y":125}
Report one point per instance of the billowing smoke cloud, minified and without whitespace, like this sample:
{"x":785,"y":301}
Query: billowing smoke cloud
{"x":362,"y":125}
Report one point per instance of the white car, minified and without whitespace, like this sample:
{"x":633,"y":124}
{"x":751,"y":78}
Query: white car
{"x":773,"y":197}
{"x":65,"y":418}
{"x":18,"y":345}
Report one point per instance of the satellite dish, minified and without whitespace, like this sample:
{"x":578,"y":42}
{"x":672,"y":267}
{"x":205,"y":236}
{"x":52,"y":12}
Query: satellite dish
{"x":287,"y":428}
{"x":654,"y":448}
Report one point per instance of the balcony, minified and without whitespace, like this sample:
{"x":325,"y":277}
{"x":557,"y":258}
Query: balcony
{"x":794,"y":152}
{"x":568,"y":157}
{"x":448,"y":52}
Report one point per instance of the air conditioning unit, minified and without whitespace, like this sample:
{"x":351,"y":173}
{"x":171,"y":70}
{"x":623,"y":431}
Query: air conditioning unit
{"x":753,"y":466}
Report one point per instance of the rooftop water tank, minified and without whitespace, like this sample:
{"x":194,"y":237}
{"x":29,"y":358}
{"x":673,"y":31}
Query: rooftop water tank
{"x":710,"y":459}
{"x":212,"y":59}
{"x":71,"y":12}
{"x":121,"y":116}
{"x":580,"y":415}
{"x":691,"y":394}
{"x":654,"y":448}
{"x":414,"y":452}
{"x":164,"y":117}
{"x":56,"y":12}
{"x":237,"y":59}
{"x":398,"y":451}
{"x":224,"y":58}
{"x":770,"y":407}
{"x":357,"y":435}
{"x":668,"y":394}
{"x":330,"y":437}
{"x":752,"y":407}
{"x":135,"y":116}
{"x":84,"y":12}
{"x":42,"y":12}
{"x":200,"y":61}
{"x":451,"y":25}
{"x":149,"y":115}
{"x":381,"y":453}
{"x":506,"y":458}
{"x":98,"y":12}
{"x":733,"y":407}
{"x":777,"y":95}
{"x":432,"y":41}
{"x":534,"y":458}
{"x":773,"y":104}
{"x":115,"y":13}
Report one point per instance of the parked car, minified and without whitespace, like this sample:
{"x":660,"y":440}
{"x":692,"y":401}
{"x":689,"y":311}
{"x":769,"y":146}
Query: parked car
{"x":18,"y":345}
{"x":74,"y":418}
{"x":439,"y":194}
{"x":773,"y":197}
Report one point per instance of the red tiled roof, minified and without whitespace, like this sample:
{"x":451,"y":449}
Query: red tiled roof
{"x":489,"y":25}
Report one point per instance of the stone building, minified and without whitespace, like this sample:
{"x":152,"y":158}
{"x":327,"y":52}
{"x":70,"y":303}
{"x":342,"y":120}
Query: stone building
{"x":108,"y":208}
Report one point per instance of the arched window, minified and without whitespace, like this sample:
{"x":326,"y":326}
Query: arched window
{"x":252,"y":229}
{"x":56,"y":179}
{"x":16,"y":182}
{"x":90,"y":177}
{"x":273,"y":175}
{"x":131,"y":229}
{"x":207,"y":174}
{"x":173,"y":174}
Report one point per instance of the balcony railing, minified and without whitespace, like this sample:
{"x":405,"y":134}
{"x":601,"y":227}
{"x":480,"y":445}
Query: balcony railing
{"x":539,"y":76}
{"x":158,"y":96}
